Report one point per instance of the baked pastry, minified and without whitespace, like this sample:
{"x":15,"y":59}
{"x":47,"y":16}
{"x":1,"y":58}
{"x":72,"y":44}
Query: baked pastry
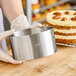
{"x":62,"y":7}
{"x":64,"y":24}
{"x":39,"y":16}
{"x":49,"y":2}
{"x":35,"y":5}
{"x":42,"y":14}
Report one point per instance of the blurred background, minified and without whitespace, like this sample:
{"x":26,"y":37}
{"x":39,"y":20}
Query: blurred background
{"x":37,"y":10}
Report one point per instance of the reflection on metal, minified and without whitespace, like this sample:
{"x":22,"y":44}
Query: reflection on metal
{"x":33,"y":43}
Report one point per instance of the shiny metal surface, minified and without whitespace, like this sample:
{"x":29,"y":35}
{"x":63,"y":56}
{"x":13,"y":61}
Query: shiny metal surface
{"x":33,"y":43}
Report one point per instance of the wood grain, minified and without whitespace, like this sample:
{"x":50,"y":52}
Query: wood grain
{"x":62,"y":63}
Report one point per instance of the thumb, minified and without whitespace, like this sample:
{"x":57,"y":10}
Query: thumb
{"x":6,"y":34}
{"x":37,"y":25}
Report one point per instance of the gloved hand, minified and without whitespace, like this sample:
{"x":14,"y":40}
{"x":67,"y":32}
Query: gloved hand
{"x":20,"y":23}
{"x":4,"y":57}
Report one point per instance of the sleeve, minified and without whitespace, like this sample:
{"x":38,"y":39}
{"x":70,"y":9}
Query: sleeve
{"x":3,"y":42}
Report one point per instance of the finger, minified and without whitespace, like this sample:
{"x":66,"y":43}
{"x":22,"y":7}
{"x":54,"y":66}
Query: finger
{"x":16,"y":62}
{"x":37,"y":25}
{"x":6,"y":58}
{"x":11,"y":60}
{"x":6,"y":34}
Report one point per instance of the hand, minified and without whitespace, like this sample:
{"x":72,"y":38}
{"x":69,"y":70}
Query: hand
{"x":4,"y":57}
{"x":21,"y":23}
{"x":37,"y":25}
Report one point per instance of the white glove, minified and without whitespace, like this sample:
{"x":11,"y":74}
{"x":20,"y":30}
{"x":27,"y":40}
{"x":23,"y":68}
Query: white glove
{"x":4,"y":57}
{"x":20,"y":23}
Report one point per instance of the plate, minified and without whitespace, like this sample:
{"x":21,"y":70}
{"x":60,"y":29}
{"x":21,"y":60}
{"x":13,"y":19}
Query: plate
{"x":72,"y":45}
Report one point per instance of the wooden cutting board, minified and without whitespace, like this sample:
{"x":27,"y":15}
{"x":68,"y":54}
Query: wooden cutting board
{"x":62,"y":63}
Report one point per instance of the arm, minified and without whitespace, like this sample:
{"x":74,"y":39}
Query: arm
{"x":12,"y":9}
{"x":14,"y":12}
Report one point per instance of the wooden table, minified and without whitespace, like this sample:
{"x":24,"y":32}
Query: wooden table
{"x":62,"y":63}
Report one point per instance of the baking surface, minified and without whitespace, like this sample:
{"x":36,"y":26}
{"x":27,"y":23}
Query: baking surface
{"x":62,"y":63}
